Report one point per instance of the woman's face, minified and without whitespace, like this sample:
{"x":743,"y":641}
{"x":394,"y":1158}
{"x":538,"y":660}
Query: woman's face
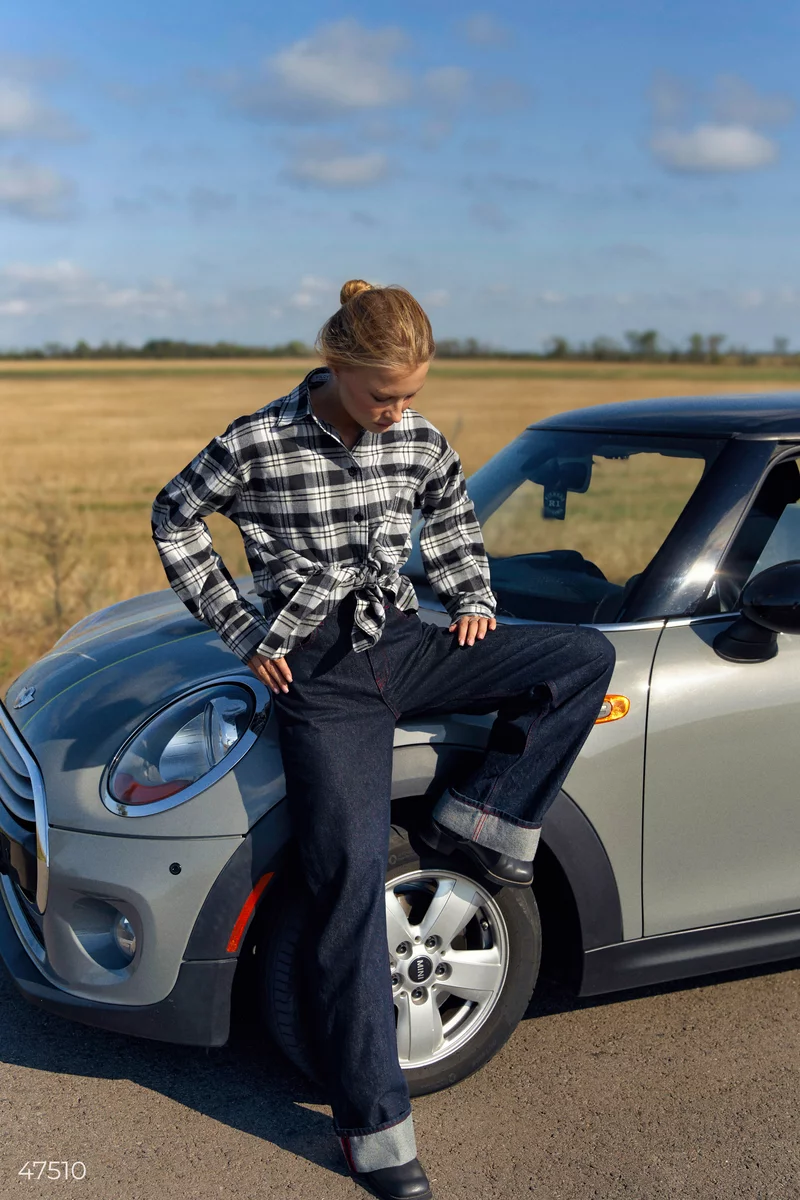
{"x":377,"y":397}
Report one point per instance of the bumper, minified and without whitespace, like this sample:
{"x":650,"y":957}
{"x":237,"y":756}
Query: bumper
{"x":196,"y":1012}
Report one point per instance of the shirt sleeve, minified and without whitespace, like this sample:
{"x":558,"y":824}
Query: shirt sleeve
{"x":451,"y":543}
{"x":196,"y":573}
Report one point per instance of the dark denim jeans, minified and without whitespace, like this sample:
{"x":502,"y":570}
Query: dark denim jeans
{"x":336,"y":728}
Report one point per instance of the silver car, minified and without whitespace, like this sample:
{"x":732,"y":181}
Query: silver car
{"x":146,"y":862}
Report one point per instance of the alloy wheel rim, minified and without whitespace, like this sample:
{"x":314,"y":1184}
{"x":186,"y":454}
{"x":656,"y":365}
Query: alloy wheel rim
{"x":448,"y":959}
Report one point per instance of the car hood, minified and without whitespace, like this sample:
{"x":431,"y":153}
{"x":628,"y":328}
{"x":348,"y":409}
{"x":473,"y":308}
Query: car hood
{"x":128,"y":659}
{"x":118,"y":664}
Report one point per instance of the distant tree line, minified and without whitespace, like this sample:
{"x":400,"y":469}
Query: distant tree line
{"x":643,"y":345}
{"x":161,"y":348}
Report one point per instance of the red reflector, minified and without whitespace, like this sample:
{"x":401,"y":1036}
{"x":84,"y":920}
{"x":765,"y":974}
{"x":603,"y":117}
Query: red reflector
{"x":130,"y":791}
{"x":244,"y":915}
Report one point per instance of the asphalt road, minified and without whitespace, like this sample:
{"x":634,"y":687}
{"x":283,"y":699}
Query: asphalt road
{"x":687,"y":1090}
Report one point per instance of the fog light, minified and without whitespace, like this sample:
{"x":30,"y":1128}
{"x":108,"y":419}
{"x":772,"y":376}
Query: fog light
{"x":124,"y":935}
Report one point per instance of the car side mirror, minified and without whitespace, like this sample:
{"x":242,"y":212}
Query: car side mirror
{"x":770,"y":605}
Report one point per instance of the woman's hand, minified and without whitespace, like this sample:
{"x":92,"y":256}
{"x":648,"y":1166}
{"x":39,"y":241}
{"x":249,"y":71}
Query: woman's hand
{"x":469,"y":626}
{"x":272,"y":671}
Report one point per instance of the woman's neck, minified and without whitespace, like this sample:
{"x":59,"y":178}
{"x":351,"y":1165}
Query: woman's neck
{"x":326,"y":404}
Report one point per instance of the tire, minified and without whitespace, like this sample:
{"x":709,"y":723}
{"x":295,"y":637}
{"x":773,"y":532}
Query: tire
{"x":504,"y":932}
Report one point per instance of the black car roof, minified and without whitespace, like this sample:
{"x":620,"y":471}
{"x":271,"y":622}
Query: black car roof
{"x":766,"y":414}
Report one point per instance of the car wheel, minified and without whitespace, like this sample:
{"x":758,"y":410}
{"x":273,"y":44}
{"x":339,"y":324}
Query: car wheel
{"x":464,"y":957}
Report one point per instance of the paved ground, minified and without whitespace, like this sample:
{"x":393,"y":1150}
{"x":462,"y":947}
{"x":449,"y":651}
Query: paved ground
{"x":681,"y":1091}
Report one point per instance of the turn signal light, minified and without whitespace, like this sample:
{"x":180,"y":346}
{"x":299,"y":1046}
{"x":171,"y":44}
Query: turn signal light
{"x":612,"y":708}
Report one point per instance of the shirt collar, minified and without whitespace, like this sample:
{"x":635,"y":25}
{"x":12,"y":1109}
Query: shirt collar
{"x":297,"y":404}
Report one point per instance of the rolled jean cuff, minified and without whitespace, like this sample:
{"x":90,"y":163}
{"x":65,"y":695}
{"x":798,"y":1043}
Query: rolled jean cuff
{"x":477,"y":823}
{"x":385,"y":1148}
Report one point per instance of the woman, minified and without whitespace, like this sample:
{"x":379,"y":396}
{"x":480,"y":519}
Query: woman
{"x":323,"y":483}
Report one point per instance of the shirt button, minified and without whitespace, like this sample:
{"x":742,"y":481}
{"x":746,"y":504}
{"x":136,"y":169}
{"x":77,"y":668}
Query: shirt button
{"x":358,"y":516}
{"x":353,"y":471}
{"x":294,"y":607}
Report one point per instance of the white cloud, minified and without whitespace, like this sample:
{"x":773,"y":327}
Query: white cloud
{"x":312,"y":292}
{"x":28,"y":190}
{"x":338,"y":170}
{"x":341,"y":68}
{"x":23,"y":114}
{"x":730,"y":140}
{"x":375,"y":83}
{"x":60,"y":272}
{"x":482,"y":29}
{"x":708,"y":148}
{"x":36,"y":289}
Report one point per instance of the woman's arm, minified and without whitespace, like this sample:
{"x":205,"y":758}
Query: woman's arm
{"x":451,"y":543}
{"x":196,"y":573}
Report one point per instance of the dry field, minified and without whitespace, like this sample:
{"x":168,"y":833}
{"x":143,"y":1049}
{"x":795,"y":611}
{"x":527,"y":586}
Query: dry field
{"x":87,"y":446}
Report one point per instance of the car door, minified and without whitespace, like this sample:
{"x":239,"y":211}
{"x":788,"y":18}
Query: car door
{"x":721,"y":805}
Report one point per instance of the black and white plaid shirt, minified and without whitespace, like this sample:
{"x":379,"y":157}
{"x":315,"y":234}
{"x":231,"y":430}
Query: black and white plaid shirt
{"x":319,"y":520}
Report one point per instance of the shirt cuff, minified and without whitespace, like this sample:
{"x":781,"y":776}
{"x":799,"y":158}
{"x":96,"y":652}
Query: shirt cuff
{"x":473,"y":605}
{"x":244,"y":641}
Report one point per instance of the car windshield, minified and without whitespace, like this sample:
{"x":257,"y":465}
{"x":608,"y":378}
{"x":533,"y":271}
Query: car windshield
{"x":571,"y":519}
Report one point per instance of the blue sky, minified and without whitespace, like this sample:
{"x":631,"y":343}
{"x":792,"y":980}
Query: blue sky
{"x":203,"y":170}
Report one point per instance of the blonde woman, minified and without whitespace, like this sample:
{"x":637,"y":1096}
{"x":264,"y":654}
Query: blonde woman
{"x":323,"y":482}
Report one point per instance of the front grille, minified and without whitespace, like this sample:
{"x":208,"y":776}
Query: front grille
{"x":23,"y":812}
{"x":16,"y":784}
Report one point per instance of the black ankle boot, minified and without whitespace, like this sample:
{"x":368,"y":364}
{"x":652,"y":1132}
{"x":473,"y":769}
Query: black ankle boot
{"x":406,"y":1182}
{"x":496,"y":866}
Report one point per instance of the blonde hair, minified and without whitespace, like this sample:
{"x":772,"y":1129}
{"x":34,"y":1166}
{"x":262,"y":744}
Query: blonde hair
{"x":376,"y":327}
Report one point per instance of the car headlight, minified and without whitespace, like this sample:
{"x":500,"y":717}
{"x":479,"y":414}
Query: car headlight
{"x":181,"y":744}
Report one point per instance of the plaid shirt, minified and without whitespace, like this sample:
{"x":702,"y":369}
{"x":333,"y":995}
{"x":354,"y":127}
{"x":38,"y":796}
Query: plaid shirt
{"x":319,"y":520}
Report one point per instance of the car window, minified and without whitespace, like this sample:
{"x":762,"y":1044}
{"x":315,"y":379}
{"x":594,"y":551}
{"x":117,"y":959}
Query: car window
{"x":570,"y":520}
{"x":784,"y":541}
{"x":769,"y":534}
{"x":618,"y":523}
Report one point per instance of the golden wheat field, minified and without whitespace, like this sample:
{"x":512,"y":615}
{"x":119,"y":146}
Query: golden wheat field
{"x":86,"y":447}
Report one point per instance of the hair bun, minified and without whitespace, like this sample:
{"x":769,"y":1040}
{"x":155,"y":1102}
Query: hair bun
{"x":352,"y":288}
